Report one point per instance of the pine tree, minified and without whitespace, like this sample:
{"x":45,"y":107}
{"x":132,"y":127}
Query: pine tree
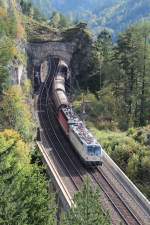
{"x":87,"y":209}
{"x":24,"y":198}
{"x":55,"y":19}
{"x":132,"y":54}
{"x":100,"y":61}
{"x":26,"y":6}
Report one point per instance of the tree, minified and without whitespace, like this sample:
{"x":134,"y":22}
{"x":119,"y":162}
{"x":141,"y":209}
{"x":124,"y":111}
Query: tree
{"x":87,"y":209}
{"x":144,"y":69}
{"x":133,"y":58}
{"x":55,"y":19}
{"x":26,"y":6}
{"x":58,"y":20}
{"x":11,"y":164}
{"x":64,"y":21}
{"x":37,"y":15}
{"x":100,"y":61}
{"x":24,"y":198}
{"x":105,"y":41}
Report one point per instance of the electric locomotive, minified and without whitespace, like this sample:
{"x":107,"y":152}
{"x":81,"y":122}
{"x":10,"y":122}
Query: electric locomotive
{"x":87,"y":147}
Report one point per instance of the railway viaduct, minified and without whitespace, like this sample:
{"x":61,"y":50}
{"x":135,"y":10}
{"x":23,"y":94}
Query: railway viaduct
{"x":64,"y":167}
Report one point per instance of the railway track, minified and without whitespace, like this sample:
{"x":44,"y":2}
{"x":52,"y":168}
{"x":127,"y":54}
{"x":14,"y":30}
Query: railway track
{"x":126,"y":214}
{"x":125,"y":191}
{"x":67,"y":160}
{"x":50,"y":134}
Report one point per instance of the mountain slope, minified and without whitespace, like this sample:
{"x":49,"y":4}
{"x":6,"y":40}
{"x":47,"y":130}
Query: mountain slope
{"x":113,"y":14}
{"x":125,"y":13}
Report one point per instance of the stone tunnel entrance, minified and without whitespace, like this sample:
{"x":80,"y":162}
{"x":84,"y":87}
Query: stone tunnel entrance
{"x":39,"y":54}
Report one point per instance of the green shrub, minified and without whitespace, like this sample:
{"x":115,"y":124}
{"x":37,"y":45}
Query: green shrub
{"x":141,"y":134}
{"x":130,"y":155}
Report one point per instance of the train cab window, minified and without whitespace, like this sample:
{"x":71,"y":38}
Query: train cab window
{"x":90,"y":150}
{"x":97,"y":150}
{"x":94,"y":150}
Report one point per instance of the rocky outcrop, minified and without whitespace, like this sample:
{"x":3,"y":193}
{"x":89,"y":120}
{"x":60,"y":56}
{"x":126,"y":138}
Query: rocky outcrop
{"x":18,"y":72}
{"x":18,"y":66}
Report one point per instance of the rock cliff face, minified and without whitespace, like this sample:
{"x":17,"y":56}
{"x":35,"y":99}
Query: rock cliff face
{"x":18,"y":68}
{"x":18,"y":73}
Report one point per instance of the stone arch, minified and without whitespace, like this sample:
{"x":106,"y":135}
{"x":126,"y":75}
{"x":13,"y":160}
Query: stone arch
{"x":39,"y":52}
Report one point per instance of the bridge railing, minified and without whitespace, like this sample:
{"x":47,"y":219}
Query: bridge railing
{"x":128,"y":184}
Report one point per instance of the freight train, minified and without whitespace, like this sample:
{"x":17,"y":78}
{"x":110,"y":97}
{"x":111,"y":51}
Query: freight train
{"x":83,"y":141}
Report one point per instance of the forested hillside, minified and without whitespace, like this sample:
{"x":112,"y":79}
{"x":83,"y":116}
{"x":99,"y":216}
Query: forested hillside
{"x":25,"y":195}
{"x":116,"y":91}
{"x":110,"y":82}
{"x":113,"y":14}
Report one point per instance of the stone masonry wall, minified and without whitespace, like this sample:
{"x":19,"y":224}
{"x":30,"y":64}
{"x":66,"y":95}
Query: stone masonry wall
{"x":38,"y":52}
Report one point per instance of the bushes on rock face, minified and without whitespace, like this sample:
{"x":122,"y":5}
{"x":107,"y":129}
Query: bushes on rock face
{"x":8,"y":23}
{"x":16,"y":113}
{"x":11,"y":27}
{"x":5,"y":57}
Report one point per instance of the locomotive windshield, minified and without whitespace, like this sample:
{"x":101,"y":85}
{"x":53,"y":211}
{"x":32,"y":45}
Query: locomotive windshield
{"x":94,"y":150}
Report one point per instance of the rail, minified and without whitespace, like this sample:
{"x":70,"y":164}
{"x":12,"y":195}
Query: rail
{"x":127,"y":183}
